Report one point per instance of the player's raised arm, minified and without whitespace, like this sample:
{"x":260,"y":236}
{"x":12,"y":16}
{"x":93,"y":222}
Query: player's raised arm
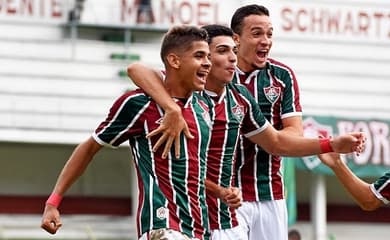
{"x":173,"y":123}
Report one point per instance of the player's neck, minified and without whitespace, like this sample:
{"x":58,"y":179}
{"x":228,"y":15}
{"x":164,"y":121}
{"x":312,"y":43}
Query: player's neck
{"x":217,"y":89}
{"x":176,"y":89}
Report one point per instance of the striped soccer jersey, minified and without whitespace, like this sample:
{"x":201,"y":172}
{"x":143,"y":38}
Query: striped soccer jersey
{"x":235,"y":112}
{"x":171,"y":191}
{"x":381,"y":188}
{"x":275,"y":89}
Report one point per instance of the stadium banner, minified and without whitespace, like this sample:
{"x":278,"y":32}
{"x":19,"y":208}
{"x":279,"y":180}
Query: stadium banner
{"x":375,"y":159}
{"x":35,"y":11}
{"x":294,"y":19}
{"x":157,"y":14}
{"x":335,"y":20}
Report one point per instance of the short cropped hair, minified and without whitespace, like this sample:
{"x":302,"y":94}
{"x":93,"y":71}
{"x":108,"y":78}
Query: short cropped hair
{"x":215,"y":30}
{"x":180,"y":38}
{"x":243,"y":12}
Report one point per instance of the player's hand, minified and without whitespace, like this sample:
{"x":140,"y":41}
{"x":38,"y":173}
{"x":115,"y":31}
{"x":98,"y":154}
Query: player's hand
{"x":232,"y":197}
{"x":171,"y":127}
{"x":51,"y":221}
{"x":347,"y":143}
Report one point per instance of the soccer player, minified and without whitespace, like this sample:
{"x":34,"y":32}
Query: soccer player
{"x":273,"y":84}
{"x":172,"y":196}
{"x":234,"y":112}
{"x":368,"y":196}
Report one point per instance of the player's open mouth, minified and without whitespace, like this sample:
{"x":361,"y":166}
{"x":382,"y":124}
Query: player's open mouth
{"x":262,"y":54}
{"x":202,"y":74}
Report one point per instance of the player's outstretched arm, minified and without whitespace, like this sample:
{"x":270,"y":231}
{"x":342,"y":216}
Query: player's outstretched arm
{"x":173,"y":123}
{"x":358,"y":189}
{"x":285,"y":144}
{"x":74,"y":168}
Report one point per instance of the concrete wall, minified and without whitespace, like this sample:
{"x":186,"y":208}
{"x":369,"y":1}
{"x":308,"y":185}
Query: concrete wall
{"x":57,"y":91}
{"x":29,"y":169}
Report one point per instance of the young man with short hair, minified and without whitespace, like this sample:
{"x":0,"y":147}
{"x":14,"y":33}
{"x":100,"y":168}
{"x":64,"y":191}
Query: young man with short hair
{"x":263,"y":213}
{"x":172,"y":195}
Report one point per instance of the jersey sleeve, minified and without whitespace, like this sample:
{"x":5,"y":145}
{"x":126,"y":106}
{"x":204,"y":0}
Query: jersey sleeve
{"x":123,"y":120}
{"x":290,"y":105}
{"x":381,"y":188}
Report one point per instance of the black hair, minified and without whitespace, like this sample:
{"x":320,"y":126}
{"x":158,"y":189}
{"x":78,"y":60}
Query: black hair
{"x":243,"y":12}
{"x":215,"y":30}
{"x":180,"y":38}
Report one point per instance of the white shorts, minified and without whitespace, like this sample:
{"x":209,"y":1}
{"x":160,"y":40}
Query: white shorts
{"x":265,"y":220}
{"x":165,"y":234}
{"x":235,"y":233}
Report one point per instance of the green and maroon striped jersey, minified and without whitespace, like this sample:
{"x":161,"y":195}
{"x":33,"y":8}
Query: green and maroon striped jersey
{"x":275,"y":89}
{"x":171,"y":191}
{"x":233,"y":113}
{"x":381,"y":188}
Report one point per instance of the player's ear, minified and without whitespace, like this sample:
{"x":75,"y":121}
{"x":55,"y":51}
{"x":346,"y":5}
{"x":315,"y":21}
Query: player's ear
{"x":173,"y":60}
{"x":236,"y":39}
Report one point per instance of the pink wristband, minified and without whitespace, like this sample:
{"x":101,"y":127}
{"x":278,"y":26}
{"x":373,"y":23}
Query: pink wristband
{"x":325,"y":145}
{"x":54,"y":200}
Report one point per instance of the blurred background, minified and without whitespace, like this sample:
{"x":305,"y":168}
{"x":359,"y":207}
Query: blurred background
{"x":63,"y":62}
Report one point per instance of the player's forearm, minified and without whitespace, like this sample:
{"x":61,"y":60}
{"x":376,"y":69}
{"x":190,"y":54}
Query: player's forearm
{"x":213,"y":189}
{"x":151,"y":82}
{"x":297,"y":147}
{"x":76,"y":165}
{"x":358,"y":189}
{"x":284,"y":144}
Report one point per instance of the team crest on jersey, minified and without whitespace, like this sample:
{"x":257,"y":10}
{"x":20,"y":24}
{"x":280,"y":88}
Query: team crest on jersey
{"x":162,"y":213}
{"x":238,"y":112}
{"x":272,"y":93}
